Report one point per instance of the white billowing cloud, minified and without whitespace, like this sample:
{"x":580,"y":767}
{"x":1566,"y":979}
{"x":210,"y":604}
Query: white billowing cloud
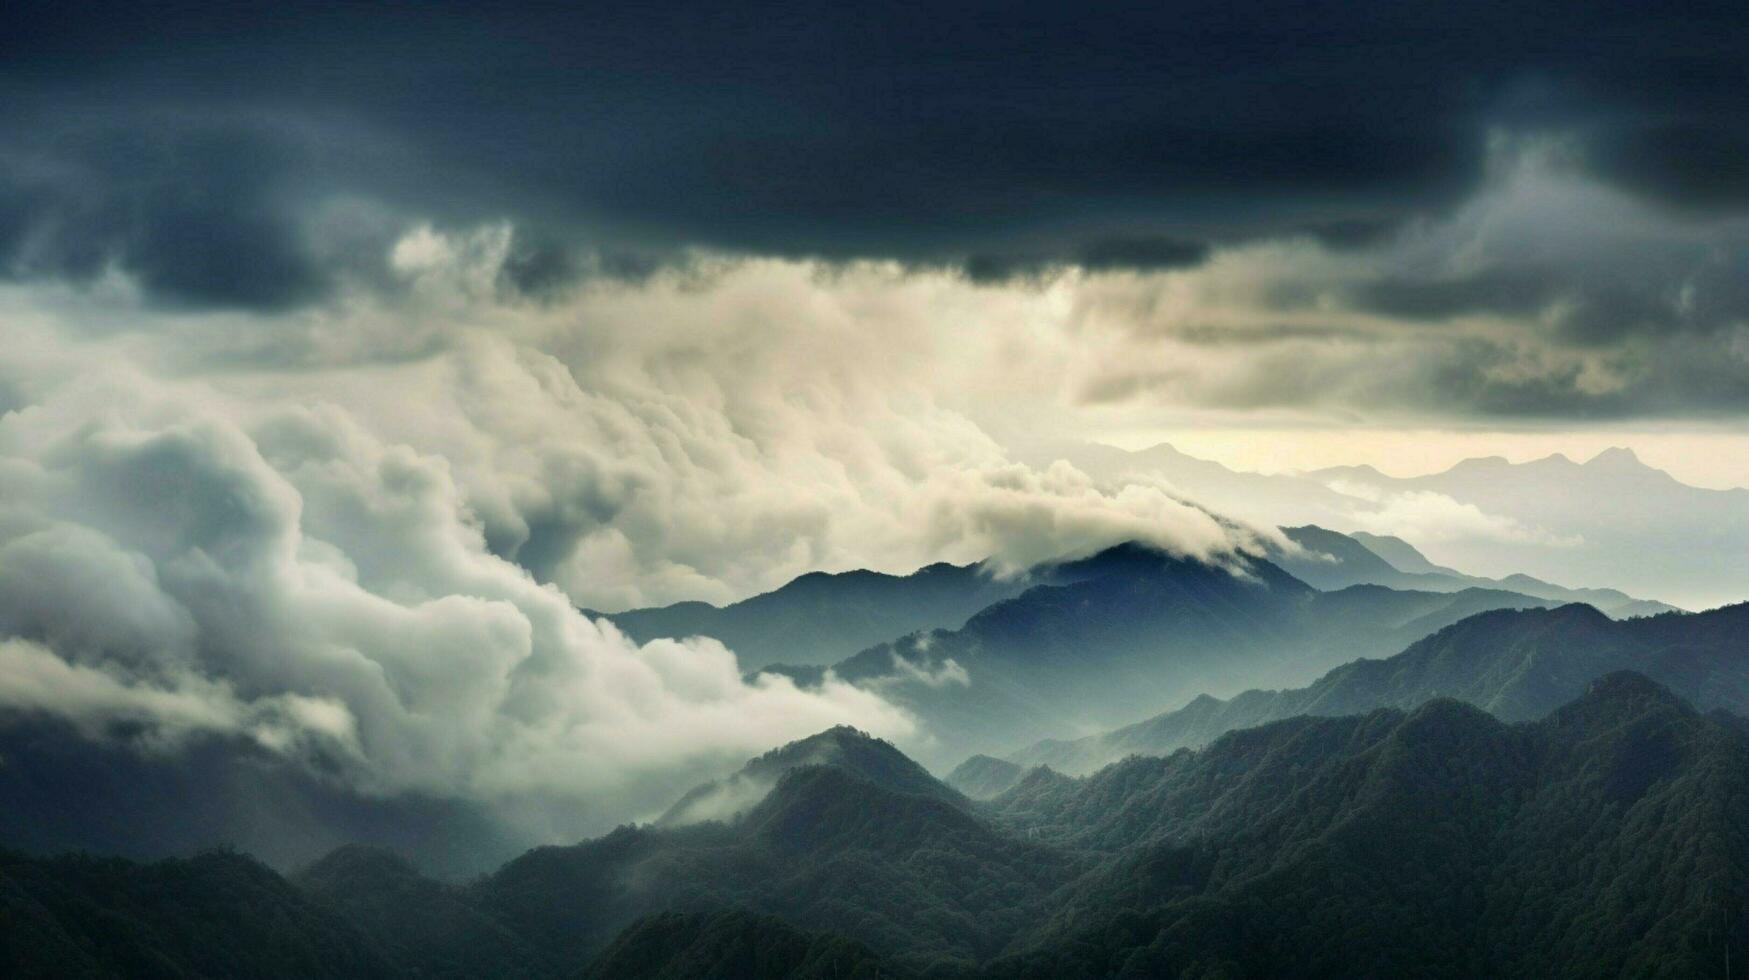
{"x":1021,"y":516}
{"x":323,"y":591}
{"x":710,"y":434}
{"x":360,"y":535}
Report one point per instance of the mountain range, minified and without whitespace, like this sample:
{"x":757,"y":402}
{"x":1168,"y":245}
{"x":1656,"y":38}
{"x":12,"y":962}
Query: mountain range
{"x":1604,"y":839}
{"x":821,"y":618}
{"x":1112,"y":637}
{"x":1611,"y":521}
{"x":1067,"y":649}
{"x":1516,"y":664}
{"x":1329,"y":560}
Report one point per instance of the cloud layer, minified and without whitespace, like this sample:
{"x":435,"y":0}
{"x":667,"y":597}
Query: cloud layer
{"x":995,"y":137}
{"x":329,"y":596}
{"x":359,"y":539}
{"x":1546,"y":299}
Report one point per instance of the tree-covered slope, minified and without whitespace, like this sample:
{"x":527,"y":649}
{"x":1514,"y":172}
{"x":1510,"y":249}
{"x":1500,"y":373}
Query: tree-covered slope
{"x":1605,"y":840}
{"x":843,"y":747}
{"x":982,"y":777}
{"x":732,"y":945}
{"x":425,"y":927}
{"x":213,"y":916}
{"x":61,"y":790}
{"x":1608,"y":838}
{"x":916,"y":875}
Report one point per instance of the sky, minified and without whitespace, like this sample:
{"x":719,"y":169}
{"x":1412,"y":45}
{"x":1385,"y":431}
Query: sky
{"x":349,"y":348}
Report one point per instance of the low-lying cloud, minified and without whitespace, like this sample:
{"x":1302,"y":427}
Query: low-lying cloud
{"x":1434,"y":518}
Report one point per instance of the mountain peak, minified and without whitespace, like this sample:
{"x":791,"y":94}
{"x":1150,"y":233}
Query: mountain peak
{"x":1580,"y":613}
{"x":1164,"y":449}
{"x":1628,"y":685}
{"x":1038,"y":782}
{"x":815,"y":806}
{"x":344,"y":868}
{"x":1480,"y":463}
{"x":1616,"y":697}
{"x":982,"y":777}
{"x":840,"y":747}
{"x":1617,"y":458}
{"x":834,"y":746}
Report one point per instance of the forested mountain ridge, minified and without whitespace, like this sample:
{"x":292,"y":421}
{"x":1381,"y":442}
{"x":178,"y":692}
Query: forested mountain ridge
{"x":732,"y":945}
{"x":1517,"y":664}
{"x":1607,"y":838}
{"x":847,"y":748}
{"x":982,"y":777}
{"x":61,"y":790}
{"x":214,"y":915}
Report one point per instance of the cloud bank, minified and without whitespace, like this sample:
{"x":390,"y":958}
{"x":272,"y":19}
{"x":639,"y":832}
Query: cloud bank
{"x":359,"y":539}
{"x":996,"y":138}
{"x":328,"y":596}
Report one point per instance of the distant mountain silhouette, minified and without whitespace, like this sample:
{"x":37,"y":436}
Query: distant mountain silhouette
{"x":1518,"y":665}
{"x":1642,"y":530}
{"x":1331,"y":560}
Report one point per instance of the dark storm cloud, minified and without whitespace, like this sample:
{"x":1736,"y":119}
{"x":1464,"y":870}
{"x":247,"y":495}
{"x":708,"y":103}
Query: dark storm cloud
{"x":203,"y":215}
{"x":544,"y":267}
{"x":1502,"y":292}
{"x":1140,"y":253}
{"x":922,"y":133}
{"x":1701,"y":163}
{"x":1473,"y":378}
{"x":1658,"y":290}
{"x":1150,"y":253}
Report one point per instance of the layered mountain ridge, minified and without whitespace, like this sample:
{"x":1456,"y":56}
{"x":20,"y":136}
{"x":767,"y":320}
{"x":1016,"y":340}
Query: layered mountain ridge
{"x":1605,"y":838}
{"x":1116,"y":635}
{"x":1517,"y":664}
